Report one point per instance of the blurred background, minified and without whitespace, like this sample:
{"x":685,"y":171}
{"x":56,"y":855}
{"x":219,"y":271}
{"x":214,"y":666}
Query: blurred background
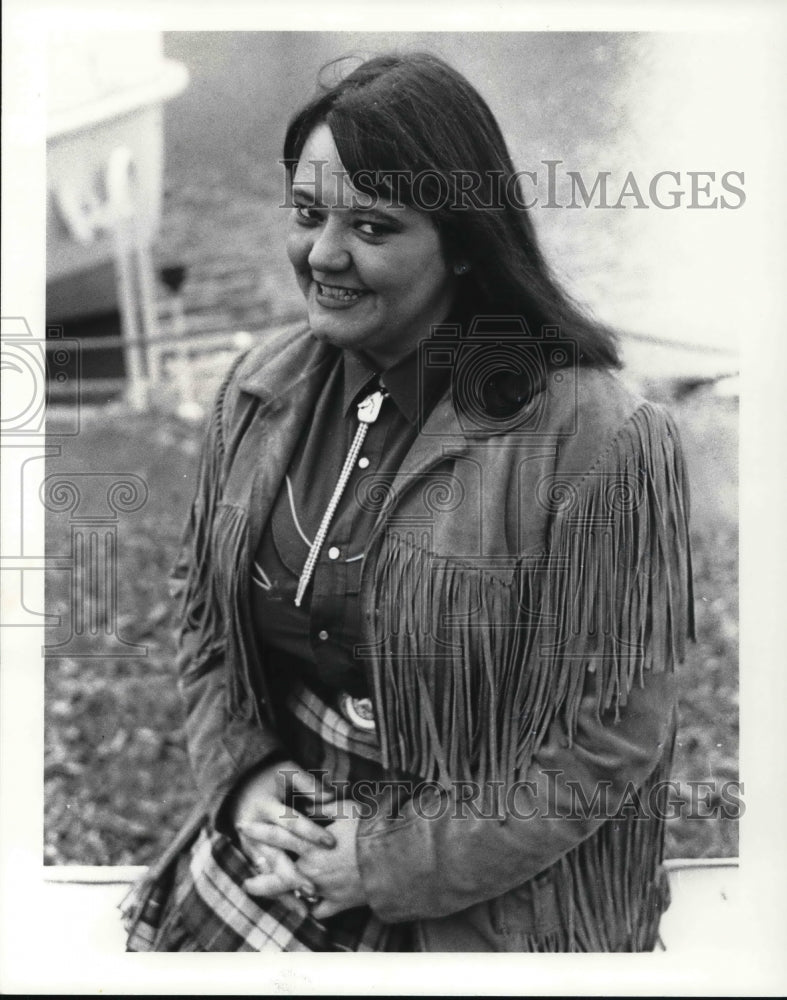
{"x":165,"y":257}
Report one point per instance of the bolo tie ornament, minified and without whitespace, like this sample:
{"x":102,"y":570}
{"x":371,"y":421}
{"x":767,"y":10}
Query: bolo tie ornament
{"x":368,"y":412}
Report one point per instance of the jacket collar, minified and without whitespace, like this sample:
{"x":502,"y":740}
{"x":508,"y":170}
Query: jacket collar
{"x":288,"y":370}
{"x":286,"y":375}
{"x":289,"y":357}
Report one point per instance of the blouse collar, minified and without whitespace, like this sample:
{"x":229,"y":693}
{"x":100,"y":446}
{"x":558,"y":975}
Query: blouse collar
{"x":412,"y":386}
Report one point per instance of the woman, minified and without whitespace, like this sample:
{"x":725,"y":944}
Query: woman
{"x":435,"y":580}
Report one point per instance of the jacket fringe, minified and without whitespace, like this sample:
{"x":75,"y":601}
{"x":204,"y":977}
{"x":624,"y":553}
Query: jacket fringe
{"x":470,"y":696}
{"x":608,"y":893}
{"x":471,"y":666}
{"x":212,"y":573}
{"x":612,"y":889}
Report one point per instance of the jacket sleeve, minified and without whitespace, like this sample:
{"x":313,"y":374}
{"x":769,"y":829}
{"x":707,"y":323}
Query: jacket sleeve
{"x":610,"y":715}
{"x":222,"y":748}
{"x":447,"y":850}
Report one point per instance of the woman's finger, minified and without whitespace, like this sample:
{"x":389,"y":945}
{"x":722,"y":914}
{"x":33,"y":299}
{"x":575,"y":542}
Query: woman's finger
{"x":272,"y":835}
{"x":285,"y":868}
{"x":298,"y":825}
{"x":268,"y":884}
{"x":281,"y":878}
{"x":257,"y":856}
{"x":294,"y":904}
{"x":326,"y":908}
{"x":260,"y":862}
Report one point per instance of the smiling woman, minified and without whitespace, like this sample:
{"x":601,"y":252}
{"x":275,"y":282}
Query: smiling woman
{"x":435,"y":579}
{"x":375,"y":282}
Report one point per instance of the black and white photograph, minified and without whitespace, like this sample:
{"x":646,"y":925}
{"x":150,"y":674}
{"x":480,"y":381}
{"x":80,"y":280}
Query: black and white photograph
{"x":391,"y":536}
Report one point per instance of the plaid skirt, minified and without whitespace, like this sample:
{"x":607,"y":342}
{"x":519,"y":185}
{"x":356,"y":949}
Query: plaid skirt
{"x":197,"y":902}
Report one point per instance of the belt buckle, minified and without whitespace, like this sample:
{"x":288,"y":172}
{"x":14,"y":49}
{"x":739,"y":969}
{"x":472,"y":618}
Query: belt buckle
{"x":358,"y":711}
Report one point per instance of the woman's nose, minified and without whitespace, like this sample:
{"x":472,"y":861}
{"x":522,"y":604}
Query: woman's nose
{"x":328,"y":252}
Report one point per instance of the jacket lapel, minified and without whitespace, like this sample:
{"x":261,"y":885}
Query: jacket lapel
{"x":279,"y":397}
{"x":441,"y":437}
{"x":281,"y":392}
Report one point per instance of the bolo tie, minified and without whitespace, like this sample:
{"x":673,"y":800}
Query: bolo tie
{"x":368,"y":412}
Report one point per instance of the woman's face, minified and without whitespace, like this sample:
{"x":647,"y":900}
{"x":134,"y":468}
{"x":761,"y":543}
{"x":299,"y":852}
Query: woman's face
{"x":374,"y":277}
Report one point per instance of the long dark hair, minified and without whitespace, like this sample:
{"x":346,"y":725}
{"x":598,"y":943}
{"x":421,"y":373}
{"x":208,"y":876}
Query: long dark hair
{"x":412,"y":115}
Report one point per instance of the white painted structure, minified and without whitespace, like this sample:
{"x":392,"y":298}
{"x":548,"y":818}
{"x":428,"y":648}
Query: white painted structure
{"x":104,"y":178}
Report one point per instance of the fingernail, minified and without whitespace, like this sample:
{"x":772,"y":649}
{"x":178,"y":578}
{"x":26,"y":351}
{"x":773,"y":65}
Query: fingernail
{"x":327,"y":840}
{"x":310,"y":889}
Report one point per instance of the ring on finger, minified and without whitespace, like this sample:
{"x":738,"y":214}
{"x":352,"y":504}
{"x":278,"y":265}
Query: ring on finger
{"x":309,"y":898}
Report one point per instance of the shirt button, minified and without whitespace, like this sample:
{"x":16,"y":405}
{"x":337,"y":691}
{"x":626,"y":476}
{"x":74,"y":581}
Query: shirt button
{"x":322,"y":635}
{"x":363,"y":463}
{"x":333,"y":552}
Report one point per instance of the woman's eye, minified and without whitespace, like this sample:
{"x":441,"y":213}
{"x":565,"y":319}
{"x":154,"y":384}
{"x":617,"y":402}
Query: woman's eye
{"x":374,"y":228}
{"x":307,"y":214}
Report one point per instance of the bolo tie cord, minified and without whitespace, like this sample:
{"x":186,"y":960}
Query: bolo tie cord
{"x":368,"y":412}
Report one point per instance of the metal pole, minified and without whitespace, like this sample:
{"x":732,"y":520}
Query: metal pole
{"x":119,"y":182}
{"x":146,"y":282}
{"x":137,"y":390}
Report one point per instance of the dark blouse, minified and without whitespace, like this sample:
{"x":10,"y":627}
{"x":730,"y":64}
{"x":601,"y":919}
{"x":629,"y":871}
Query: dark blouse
{"x":317,"y":640}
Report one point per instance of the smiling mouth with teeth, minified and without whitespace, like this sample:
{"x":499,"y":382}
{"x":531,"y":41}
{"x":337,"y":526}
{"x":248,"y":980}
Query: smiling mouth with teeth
{"x":338,"y":293}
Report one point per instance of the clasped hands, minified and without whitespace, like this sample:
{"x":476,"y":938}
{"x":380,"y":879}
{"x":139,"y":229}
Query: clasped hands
{"x":268,"y":829}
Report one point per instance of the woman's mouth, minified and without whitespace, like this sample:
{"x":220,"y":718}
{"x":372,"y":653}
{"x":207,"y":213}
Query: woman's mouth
{"x":339,"y":294}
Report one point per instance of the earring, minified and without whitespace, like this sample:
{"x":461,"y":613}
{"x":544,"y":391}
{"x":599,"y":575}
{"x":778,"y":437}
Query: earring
{"x":462,"y":268}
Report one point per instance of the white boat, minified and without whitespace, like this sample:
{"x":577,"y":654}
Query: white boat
{"x":104,"y":111}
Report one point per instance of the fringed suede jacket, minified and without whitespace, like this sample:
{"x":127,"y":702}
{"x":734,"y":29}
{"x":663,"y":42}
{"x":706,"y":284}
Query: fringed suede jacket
{"x":525,"y":597}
